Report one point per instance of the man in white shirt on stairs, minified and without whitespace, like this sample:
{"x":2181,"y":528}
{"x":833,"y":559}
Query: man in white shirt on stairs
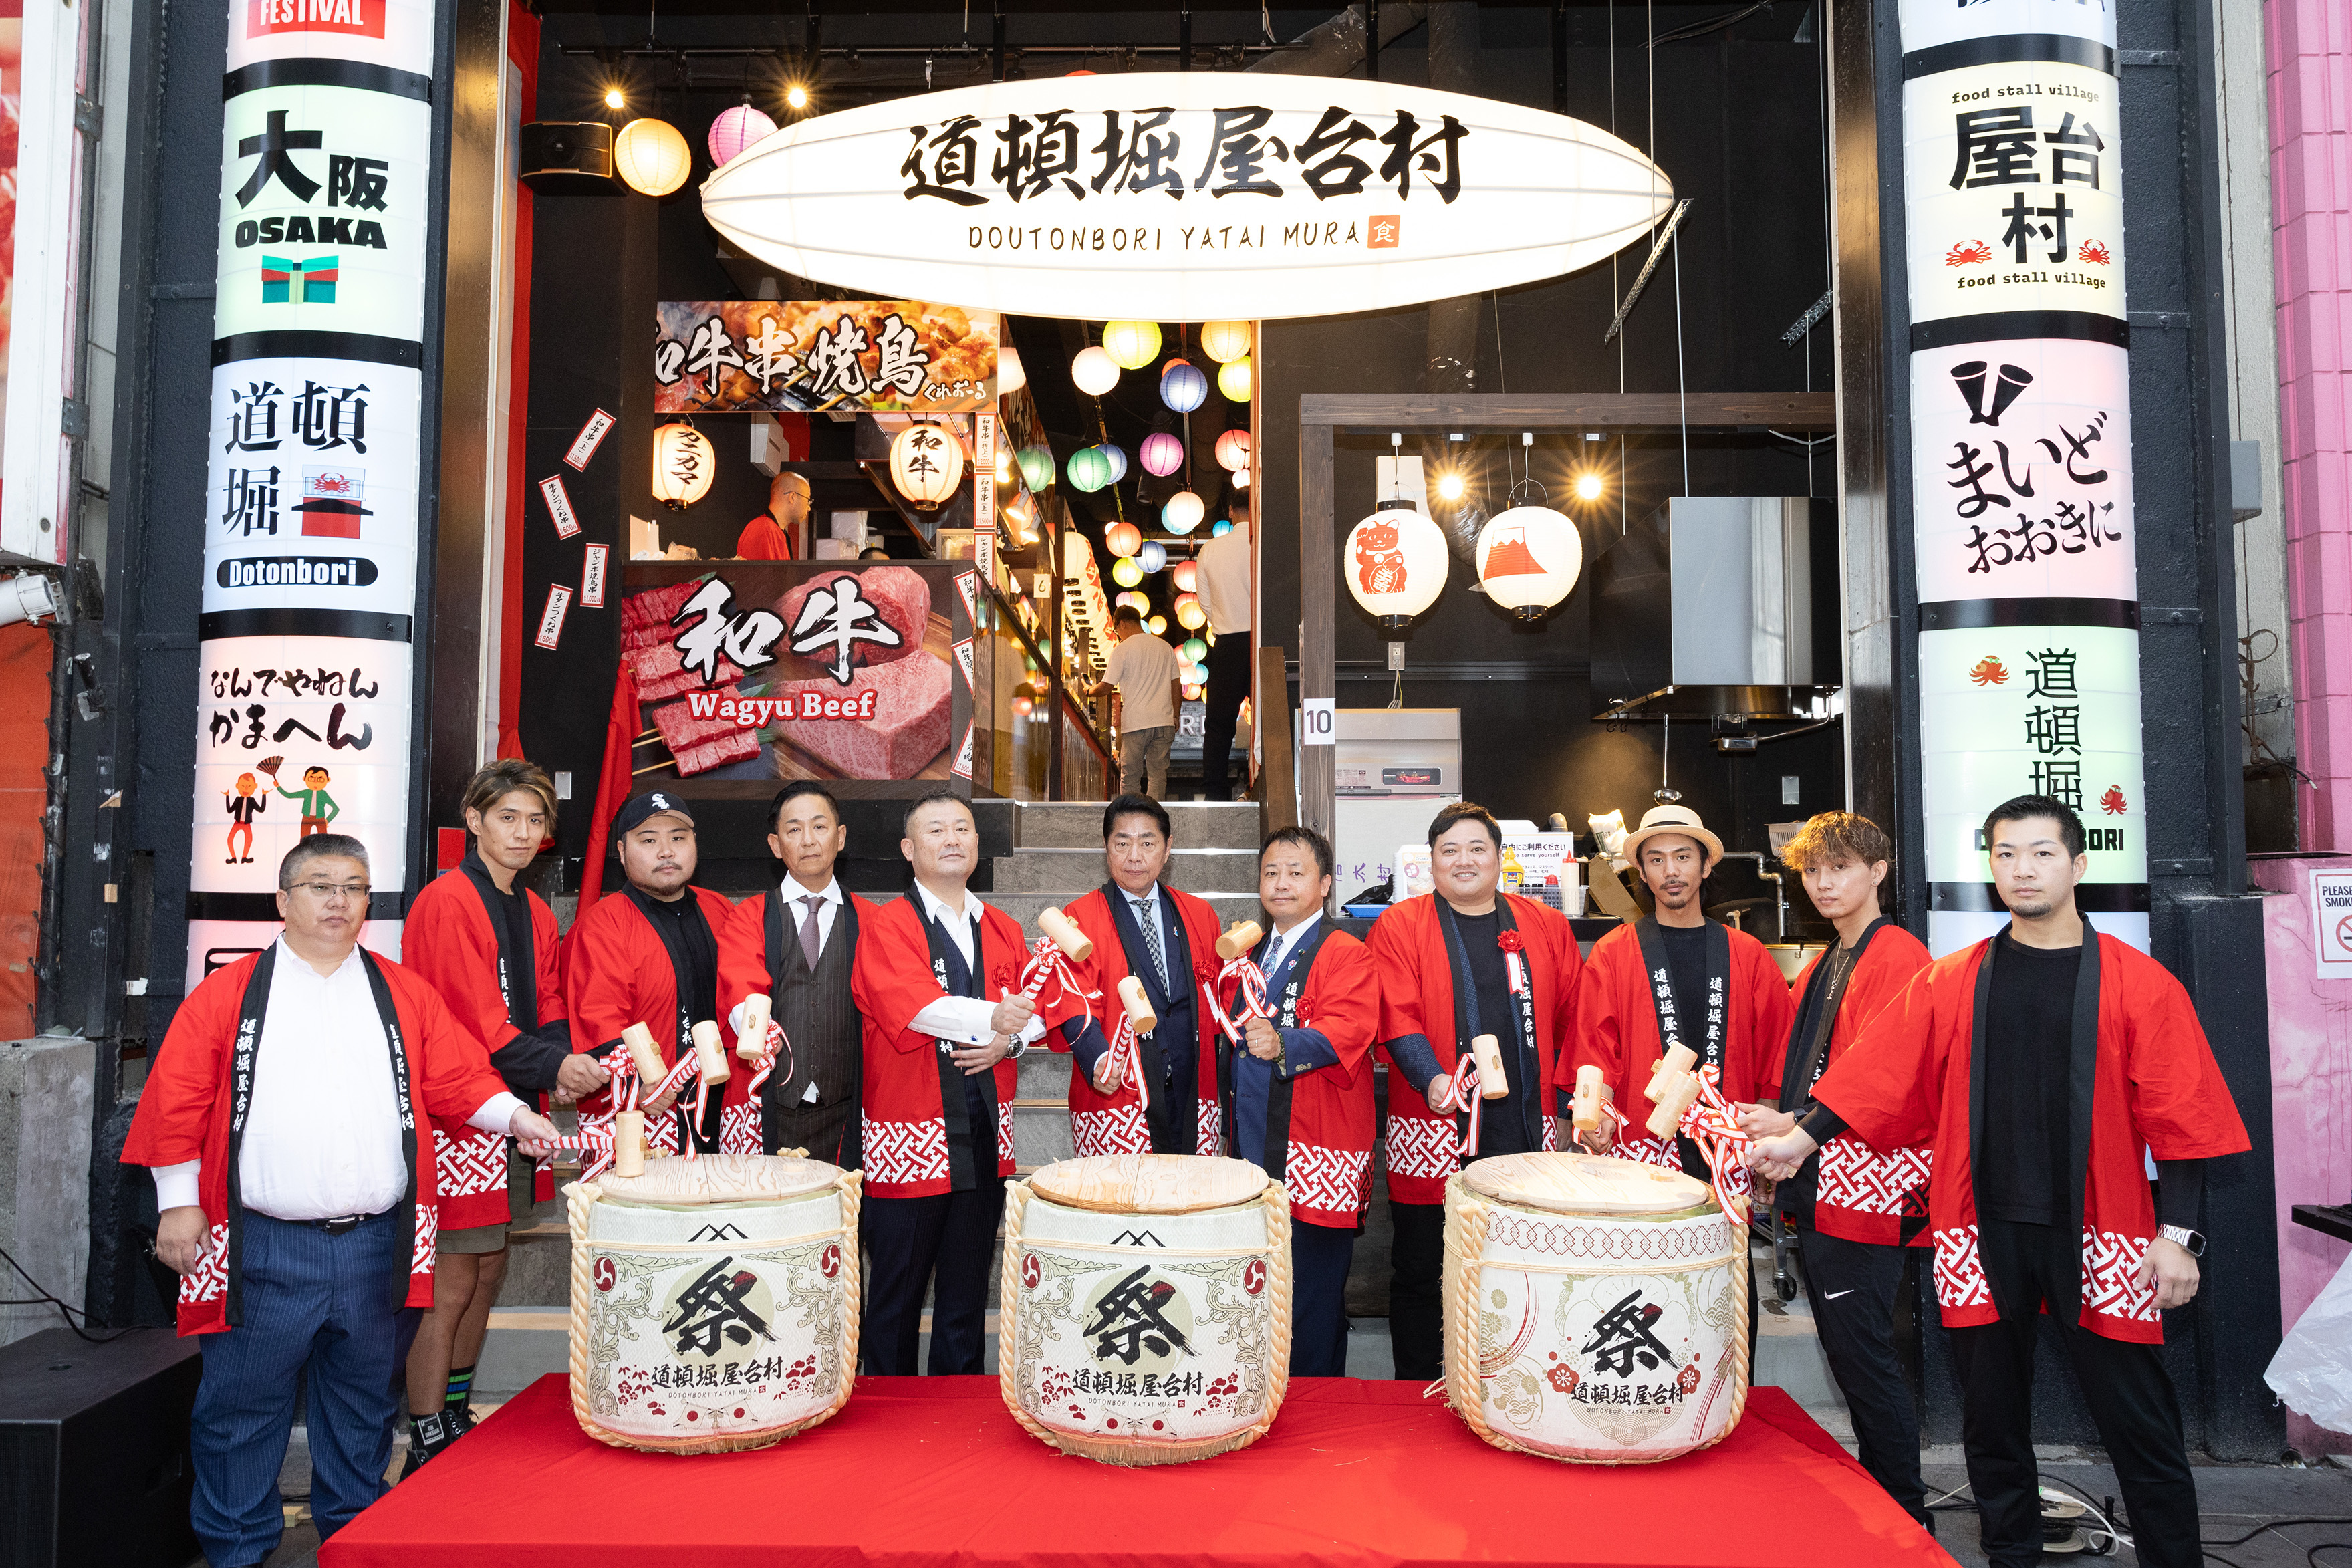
{"x":1143,"y":668}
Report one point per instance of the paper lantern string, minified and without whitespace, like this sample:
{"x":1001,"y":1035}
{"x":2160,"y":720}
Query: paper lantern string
{"x":1248,"y":981}
{"x":1462,"y":1094}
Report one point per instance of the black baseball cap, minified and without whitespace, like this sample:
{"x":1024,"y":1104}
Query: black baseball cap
{"x":652,"y":804}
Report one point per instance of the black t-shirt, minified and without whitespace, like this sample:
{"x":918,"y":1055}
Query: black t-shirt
{"x":1686,"y":972}
{"x":1502,"y":1128}
{"x":2023,"y":1174}
{"x":698,"y":986}
{"x":522,"y":1002}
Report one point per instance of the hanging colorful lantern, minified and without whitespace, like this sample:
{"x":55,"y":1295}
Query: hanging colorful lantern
{"x":1224,"y":527}
{"x":1124,"y":571}
{"x":1225,"y":340}
{"x":1187,"y":576}
{"x":1196,"y":650}
{"x":1157,"y":626}
{"x":1233,"y":450}
{"x":1094,"y":372}
{"x":1529,"y":558}
{"x":651,"y":157}
{"x":736,"y":128}
{"x":1190,"y":616}
{"x":1234,"y":381}
{"x":1131,"y":344}
{"x":1117,"y":456}
{"x":1153,"y":556}
{"x":1162,"y":453}
{"x":1136,"y":601}
{"x":1087,"y":470}
{"x":1010,"y":377}
{"x":1036,"y":467}
{"x":926,"y":464}
{"x":1240,"y":479}
{"x":1183,"y":513}
{"x":683,"y":466}
{"x":1124,"y":539}
{"x":1183,"y":387}
{"x":1394,"y":563}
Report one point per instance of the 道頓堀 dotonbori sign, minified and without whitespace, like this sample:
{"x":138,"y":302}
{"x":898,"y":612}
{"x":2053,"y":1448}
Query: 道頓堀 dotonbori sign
{"x":1205,"y":194}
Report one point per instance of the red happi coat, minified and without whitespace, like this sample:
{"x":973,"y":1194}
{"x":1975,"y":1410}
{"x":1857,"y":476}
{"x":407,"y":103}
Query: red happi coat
{"x":2156,"y":1091}
{"x":616,"y":972}
{"x":1327,"y":1159}
{"x":449,"y":943}
{"x":902,"y":1109}
{"x":1416,"y":978}
{"x":1617,"y":1030}
{"x":185,"y":1109}
{"x":1113,"y":1123}
{"x":1860,"y":1193}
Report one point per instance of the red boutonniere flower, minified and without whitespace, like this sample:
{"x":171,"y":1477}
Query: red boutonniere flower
{"x":1202,"y":972}
{"x":1511,"y":942}
{"x":1004,"y":977}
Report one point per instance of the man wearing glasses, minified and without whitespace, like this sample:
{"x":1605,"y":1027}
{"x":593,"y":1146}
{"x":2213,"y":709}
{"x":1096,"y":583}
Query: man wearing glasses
{"x":297,"y":1195}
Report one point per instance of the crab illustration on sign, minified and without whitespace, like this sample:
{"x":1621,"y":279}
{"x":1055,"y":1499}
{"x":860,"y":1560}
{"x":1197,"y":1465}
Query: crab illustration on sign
{"x":1968,"y":255}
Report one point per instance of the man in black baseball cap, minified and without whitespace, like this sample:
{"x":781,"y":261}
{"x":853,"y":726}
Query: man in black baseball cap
{"x":649,"y":954}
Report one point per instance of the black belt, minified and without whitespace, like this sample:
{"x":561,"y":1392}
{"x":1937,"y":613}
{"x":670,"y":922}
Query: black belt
{"x":347,"y":1224}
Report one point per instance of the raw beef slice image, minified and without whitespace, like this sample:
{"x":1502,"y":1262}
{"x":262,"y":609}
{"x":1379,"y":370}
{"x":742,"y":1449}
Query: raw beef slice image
{"x":662,"y":673}
{"x":912,"y":702}
{"x":702,"y":744}
{"x":899,"y":595}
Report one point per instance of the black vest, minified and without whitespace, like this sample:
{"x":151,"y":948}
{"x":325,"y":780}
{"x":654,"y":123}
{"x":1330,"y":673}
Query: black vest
{"x":814,"y":1009}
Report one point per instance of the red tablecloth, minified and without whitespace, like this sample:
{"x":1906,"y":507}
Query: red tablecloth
{"x":932,"y":1471}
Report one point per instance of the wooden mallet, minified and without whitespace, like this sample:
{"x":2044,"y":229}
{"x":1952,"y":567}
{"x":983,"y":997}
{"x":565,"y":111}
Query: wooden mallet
{"x":1063,"y":933}
{"x":638,"y":1041}
{"x":1669,"y":1069}
{"x":1673,"y":1085}
{"x":1244,"y":937}
{"x":1487,"y":1052}
{"x":629,"y":1126}
{"x":1585,"y":1109}
{"x":709,"y":1055}
{"x":1138,"y":1004}
{"x":753,"y":1043}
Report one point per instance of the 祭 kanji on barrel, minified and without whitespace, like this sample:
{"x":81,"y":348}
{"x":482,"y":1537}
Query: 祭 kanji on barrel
{"x":1145,"y":1306}
{"x":1595,"y":1308}
{"x":714,"y":1301}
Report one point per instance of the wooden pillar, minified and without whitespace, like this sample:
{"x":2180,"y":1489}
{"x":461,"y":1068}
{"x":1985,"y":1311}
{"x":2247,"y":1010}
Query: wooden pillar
{"x":1318,"y":584}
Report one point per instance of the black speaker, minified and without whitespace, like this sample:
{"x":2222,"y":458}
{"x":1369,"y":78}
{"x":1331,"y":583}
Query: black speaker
{"x":568,"y":158}
{"x":94,"y":1466}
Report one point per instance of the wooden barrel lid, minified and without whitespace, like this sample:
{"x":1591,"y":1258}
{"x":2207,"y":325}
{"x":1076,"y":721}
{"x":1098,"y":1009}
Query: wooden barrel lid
{"x":670,"y":1181}
{"x":1585,"y":1183}
{"x":1148,"y":1184}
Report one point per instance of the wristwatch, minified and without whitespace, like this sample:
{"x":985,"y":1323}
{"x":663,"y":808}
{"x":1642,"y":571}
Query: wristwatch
{"x":2181,"y":1236}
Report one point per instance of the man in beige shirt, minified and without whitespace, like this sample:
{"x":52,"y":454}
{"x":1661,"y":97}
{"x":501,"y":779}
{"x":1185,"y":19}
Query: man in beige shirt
{"x":1224,"y":591}
{"x":1143,"y":668}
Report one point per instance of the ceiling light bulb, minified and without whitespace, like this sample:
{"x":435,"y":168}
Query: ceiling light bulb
{"x":1449,"y":486}
{"x":1587,"y":486}
{"x":613,"y":98}
{"x":797,"y":96}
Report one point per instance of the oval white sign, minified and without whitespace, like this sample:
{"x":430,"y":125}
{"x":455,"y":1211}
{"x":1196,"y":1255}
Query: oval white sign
{"x":1186,"y":197}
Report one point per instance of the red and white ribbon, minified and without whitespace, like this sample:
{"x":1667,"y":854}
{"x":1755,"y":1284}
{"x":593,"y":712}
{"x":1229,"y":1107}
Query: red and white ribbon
{"x":765,"y":1062}
{"x":1047,"y":961}
{"x":1462,"y":1094}
{"x":1711,"y":1123}
{"x":1126,"y":1055}
{"x":1248,"y":981}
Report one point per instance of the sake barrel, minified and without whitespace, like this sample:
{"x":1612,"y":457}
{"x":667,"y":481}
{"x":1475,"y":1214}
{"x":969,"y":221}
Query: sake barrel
{"x":1145,"y":1306}
{"x":714,"y":1301}
{"x":1595,"y":1308}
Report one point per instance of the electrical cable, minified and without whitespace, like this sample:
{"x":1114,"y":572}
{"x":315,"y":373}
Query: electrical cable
{"x":68,"y":1312}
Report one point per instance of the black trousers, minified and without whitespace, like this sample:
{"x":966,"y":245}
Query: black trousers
{"x":1221,"y":701}
{"x":2125,"y":1385}
{"x":1319,"y":1255}
{"x":828,"y":1133}
{"x":944,"y":1241}
{"x":1852,"y":1287}
{"x":1416,"y":1319}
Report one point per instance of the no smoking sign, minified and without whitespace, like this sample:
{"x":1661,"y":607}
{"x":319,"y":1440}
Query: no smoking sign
{"x":2331,"y":923}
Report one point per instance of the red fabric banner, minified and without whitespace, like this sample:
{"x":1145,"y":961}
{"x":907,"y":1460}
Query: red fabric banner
{"x":932,"y":1471}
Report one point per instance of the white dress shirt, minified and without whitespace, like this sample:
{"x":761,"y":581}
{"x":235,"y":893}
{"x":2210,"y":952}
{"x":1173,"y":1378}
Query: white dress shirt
{"x":1222,"y":582}
{"x":792,"y":892}
{"x":1284,"y":941}
{"x":322,"y":1130}
{"x":1147,"y":918}
{"x":963,"y":1019}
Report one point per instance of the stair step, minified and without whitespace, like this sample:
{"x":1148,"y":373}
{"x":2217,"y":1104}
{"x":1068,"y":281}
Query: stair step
{"x":1076,"y":871}
{"x":1193,"y":824}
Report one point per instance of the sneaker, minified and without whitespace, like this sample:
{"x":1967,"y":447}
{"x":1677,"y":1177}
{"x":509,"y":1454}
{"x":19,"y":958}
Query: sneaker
{"x":428,"y":1436}
{"x":459,"y":1419}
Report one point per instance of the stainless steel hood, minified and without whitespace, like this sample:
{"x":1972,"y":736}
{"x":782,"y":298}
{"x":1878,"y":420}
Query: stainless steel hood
{"x":1720,"y":604}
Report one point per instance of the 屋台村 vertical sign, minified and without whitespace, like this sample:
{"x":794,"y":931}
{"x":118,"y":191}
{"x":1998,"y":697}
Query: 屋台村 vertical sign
{"x":2020,"y":442}
{"x":311,"y":542}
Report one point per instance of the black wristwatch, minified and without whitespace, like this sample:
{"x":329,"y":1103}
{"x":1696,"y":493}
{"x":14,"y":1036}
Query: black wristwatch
{"x":2181,"y":1236}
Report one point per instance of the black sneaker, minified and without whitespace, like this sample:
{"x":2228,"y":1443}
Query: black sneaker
{"x":459,"y":1419}
{"x":428,"y":1436}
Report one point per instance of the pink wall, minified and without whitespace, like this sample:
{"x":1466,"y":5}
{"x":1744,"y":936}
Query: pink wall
{"x":2309,"y":60}
{"x":2311,"y":1099}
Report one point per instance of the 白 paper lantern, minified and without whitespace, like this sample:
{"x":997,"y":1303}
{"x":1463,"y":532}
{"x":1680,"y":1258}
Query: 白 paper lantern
{"x":1196,"y":650}
{"x":1162,"y":453}
{"x":1094,"y":372}
{"x":1241,"y":479}
{"x":1124,"y":539}
{"x":1131,"y":344}
{"x":1529,"y":559}
{"x":1234,"y":381}
{"x":683,"y":466}
{"x":1157,"y":626}
{"x":1124,"y":571}
{"x":1183,"y":513}
{"x":1190,"y":616}
{"x":1187,"y":576}
{"x":1225,"y":340}
{"x":1394,"y":563}
{"x":1183,"y":387}
{"x":1036,"y":467}
{"x":651,"y":157}
{"x":1088,"y":469}
{"x":1233,"y":450}
{"x":736,"y":128}
{"x":1153,"y":556}
{"x":1117,"y":456}
{"x":1224,"y":527}
{"x":1010,"y":377}
{"x":926,"y":464}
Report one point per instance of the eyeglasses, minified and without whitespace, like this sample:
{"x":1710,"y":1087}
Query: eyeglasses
{"x":327,"y":893}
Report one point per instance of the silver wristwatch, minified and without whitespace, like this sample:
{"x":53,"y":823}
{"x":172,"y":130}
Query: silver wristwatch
{"x":2182,"y":1237}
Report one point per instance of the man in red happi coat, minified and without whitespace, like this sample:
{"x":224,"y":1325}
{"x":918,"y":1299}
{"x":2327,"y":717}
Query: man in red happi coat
{"x":1143,"y":927}
{"x":295,"y":1194}
{"x":1465,"y":961}
{"x":488,"y":946}
{"x":2087,"y":1061}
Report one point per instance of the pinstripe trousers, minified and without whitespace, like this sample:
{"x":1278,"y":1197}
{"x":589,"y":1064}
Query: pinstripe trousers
{"x":326,"y":1305}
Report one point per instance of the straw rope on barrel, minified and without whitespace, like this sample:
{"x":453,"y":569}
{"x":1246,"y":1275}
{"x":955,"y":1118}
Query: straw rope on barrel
{"x":1125,"y":1272}
{"x":1594,"y":1310}
{"x":681,"y":1342}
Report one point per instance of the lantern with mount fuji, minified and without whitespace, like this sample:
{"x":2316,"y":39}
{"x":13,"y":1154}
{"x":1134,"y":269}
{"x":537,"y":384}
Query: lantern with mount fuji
{"x":1529,"y":558}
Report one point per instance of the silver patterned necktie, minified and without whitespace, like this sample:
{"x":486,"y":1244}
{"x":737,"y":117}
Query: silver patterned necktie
{"x":1143,"y":917}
